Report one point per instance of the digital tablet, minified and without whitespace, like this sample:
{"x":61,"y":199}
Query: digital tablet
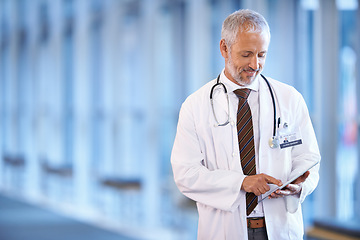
{"x":294,"y":175}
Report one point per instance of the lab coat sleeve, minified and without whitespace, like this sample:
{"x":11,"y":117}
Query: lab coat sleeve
{"x":217,"y":188}
{"x":306,"y":152}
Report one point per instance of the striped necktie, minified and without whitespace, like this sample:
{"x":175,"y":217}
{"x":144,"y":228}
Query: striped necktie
{"x":246,"y":142}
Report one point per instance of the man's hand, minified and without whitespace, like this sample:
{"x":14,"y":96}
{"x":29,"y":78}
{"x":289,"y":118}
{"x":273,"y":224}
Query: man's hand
{"x":258,"y":184}
{"x":291,"y":189}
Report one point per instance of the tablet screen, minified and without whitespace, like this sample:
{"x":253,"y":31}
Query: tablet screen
{"x":299,"y":170}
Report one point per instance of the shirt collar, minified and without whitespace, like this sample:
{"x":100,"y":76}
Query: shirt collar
{"x":231,"y":86}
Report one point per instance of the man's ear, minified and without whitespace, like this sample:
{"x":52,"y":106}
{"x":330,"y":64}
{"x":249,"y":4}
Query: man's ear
{"x":224,"y":49}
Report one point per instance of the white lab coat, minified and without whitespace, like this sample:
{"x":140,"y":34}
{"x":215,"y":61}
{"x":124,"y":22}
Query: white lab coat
{"x":207,"y":169}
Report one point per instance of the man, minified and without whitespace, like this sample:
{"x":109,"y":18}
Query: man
{"x":222,"y":156}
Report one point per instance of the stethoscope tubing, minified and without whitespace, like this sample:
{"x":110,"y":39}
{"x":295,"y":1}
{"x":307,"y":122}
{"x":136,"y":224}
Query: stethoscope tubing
{"x":225,"y":90}
{"x":273,"y":102}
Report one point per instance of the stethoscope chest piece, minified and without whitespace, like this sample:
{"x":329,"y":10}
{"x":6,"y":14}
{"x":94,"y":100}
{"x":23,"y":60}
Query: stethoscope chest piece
{"x":274,"y":142}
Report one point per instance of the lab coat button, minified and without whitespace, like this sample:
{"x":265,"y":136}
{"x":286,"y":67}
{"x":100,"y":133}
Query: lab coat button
{"x":232,"y":123}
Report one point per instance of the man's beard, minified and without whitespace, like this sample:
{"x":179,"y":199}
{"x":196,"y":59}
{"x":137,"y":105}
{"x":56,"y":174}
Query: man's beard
{"x":236,"y":75}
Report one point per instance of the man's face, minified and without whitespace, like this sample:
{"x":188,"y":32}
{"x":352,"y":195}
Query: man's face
{"x":246,"y":58}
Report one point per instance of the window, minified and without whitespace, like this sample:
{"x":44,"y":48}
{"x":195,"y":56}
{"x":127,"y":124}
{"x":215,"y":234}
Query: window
{"x":347,"y":159}
{"x":68,"y":79}
{"x":96,"y":86}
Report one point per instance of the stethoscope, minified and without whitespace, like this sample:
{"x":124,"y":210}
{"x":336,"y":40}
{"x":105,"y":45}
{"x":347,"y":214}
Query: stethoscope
{"x":273,"y":141}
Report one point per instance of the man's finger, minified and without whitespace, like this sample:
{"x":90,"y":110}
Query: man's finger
{"x":272,"y":180}
{"x":302,"y":178}
{"x":285,"y":192}
{"x":293,"y":187}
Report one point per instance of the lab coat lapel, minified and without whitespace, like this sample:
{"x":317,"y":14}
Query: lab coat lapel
{"x":223,"y":137}
{"x":266,"y":117}
{"x":220,"y":104}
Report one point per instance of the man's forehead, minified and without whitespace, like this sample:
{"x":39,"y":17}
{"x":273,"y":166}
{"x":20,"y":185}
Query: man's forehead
{"x":249,"y":40}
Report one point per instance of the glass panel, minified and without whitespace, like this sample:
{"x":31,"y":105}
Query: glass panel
{"x":347,"y":152}
{"x":96,"y":86}
{"x":68,"y":88}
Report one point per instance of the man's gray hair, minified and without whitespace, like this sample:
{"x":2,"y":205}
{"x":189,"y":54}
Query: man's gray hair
{"x":243,"y":20}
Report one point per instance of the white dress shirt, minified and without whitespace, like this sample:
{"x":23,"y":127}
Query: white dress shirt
{"x":253,"y":101}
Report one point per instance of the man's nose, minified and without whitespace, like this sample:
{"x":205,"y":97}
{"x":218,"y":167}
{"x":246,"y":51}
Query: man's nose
{"x":254,"y":63}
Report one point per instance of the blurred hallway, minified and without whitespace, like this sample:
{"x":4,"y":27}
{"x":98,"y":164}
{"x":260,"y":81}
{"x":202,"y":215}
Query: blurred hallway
{"x":19,"y":221}
{"x":90,"y":92}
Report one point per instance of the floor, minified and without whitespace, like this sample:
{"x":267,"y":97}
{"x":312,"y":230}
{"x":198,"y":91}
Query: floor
{"x":22,"y":221}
